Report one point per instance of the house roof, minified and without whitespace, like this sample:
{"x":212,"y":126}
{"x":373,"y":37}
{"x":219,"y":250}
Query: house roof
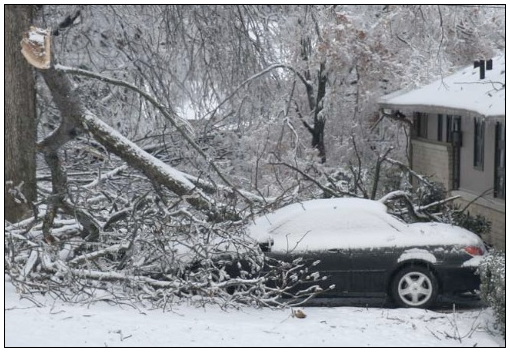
{"x":461,"y":93}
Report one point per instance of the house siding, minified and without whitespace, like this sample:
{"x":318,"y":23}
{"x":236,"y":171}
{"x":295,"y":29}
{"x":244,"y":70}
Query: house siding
{"x":477,"y":185}
{"x":477,"y":180}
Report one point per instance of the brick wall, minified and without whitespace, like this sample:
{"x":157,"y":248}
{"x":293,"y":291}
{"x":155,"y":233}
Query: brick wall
{"x":433,"y":159}
{"x":490,"y":208}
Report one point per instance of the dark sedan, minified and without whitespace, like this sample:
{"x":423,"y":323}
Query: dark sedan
{"x":362,"y":250}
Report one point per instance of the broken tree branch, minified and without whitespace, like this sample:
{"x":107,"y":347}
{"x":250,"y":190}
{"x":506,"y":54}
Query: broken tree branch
{"x":164,"y":112}
{"x":407,"y":168}
{"x":327,"y":190}
{"x":75,"y":117}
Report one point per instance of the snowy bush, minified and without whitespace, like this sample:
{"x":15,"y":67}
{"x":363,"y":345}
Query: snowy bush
{"x":493,"y":291}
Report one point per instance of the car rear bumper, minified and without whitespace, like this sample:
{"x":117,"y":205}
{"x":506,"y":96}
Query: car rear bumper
{"x":457,"y":280}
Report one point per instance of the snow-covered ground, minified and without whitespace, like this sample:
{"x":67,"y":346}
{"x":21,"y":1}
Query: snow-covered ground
{"x":58,"y":324}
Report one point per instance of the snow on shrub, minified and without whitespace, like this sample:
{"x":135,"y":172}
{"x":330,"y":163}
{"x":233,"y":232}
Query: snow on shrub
{"x":493,"y":291}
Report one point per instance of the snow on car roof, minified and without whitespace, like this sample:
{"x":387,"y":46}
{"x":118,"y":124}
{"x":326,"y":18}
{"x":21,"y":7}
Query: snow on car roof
{"x":349,"y":223}
{"x":463,"y":90}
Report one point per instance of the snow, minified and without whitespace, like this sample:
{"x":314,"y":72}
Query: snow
{"x":350,"y":223}
{"x":57,"y":324}
{"x":37,"y":35}
{"x":417,"y":253}
{"x":473,"y":262}
{"x":463,"y":90}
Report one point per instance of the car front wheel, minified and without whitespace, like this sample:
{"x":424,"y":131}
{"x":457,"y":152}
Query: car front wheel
{"x":414,"y":287}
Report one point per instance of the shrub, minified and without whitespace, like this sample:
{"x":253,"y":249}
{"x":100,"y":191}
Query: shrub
{"x":474,"y":223}
{"x":493,"y":291}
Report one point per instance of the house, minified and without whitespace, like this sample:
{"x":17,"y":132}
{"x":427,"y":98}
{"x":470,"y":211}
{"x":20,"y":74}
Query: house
{"x":458,"y":137}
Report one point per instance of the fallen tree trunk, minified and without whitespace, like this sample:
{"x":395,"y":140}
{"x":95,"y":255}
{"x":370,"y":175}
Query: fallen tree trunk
{"x":152,"y":167}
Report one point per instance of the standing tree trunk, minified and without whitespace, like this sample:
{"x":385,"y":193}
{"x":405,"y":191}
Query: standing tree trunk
{"x":315,"y":101}
{"x":20,"y":117}
{"x":319,"y":121}
{"x":316,"y":104}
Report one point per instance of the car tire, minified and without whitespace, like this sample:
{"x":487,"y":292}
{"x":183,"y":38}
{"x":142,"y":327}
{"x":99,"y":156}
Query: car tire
{"x":414,"y":287}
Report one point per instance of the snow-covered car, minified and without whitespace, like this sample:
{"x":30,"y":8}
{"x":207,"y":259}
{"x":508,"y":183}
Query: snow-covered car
{"x":364,"y":251}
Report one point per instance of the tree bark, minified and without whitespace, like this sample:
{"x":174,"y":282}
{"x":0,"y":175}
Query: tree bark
{"x":315,"y":102}
{"x":20,"y":117}
{"x":319,"y":122}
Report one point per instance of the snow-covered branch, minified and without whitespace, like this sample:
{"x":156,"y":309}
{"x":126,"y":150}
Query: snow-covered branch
{"x":162,"y":109}
{"x":421,"y":178}
{"x":259,"y":74}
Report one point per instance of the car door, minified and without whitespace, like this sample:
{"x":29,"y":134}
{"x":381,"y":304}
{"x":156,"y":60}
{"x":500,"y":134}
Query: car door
{"x":369,"y":270}
{"x":334,"y":266}
{"x":324,"y":268}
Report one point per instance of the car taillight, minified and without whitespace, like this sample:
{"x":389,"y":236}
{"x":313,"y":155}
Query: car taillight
{"x":473,"y":250}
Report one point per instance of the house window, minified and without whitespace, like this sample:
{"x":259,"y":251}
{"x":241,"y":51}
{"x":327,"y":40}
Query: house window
{"x":439,"y":127}
{"x":420,"y":122}
{"x":479,"y":144}
{"x":449,"y":119}
{"x":452,"y":125}
{"x":499,"y":165}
